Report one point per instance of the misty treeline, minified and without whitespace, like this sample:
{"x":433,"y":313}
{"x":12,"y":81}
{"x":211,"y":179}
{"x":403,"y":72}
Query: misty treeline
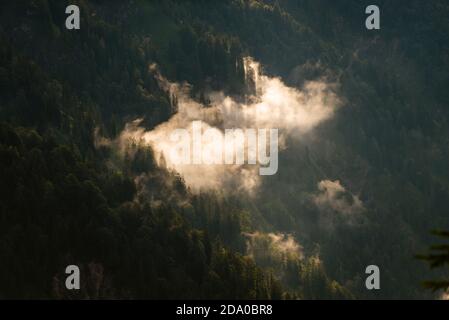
{"x":137,"y":231}
{"x":133,"y":228}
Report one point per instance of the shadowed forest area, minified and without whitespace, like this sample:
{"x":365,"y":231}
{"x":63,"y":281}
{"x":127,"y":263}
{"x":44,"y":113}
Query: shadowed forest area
{"x":363,"y":186}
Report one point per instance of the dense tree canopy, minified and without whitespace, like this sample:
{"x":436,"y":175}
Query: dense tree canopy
{"x":135,"y":228}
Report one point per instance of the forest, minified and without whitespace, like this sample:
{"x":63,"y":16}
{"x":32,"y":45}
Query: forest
{"x":364,"y":182}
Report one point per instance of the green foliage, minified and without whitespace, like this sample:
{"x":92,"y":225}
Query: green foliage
{"x":79,"y":211}
{"x":136,"y":230}
{"x":439,"y":257}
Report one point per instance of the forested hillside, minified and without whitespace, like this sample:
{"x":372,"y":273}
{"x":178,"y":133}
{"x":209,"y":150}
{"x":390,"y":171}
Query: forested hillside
{"x":364,"y":187}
